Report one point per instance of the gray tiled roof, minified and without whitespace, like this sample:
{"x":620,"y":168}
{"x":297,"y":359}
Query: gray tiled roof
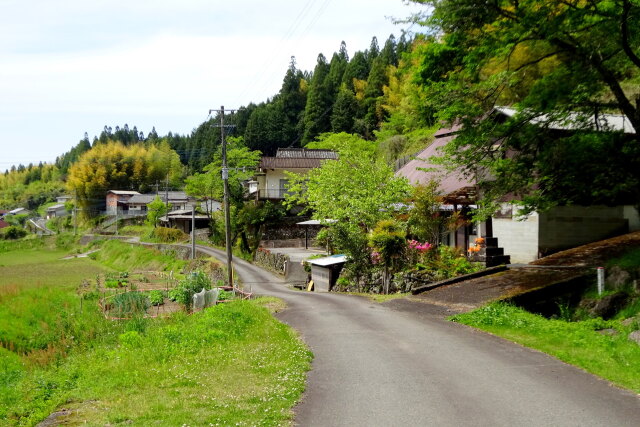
{"x":304,"y":153}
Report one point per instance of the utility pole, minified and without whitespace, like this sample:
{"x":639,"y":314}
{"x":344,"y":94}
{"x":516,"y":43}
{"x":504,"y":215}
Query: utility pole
{"x":166,"y":194}
{"x":193,"y":232}
{"x":75,"y":215}
{"x":225,"y":179}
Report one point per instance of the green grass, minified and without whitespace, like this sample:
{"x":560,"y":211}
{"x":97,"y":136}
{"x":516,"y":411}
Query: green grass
{"x":233,"y":364}
{"x":38,"y":301}
{"x":127,"y":257}
{"x":629,"y":261}
{"x":614,"y":358}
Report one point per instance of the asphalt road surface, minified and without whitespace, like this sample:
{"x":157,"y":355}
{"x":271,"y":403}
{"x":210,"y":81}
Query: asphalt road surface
{"x":402,"y":364}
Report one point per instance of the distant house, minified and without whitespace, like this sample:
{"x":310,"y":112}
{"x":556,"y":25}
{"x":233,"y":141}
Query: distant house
{"x":18,"y":211}
{"x":56,"y":211}
{"x":527,"y":238}
{"x":116,"y":200}
{"x":271,"y":180}
{"x":4,"y":223}
{"x":179,"y":200}
{"x":64,"y":198}
{"x":182,"y":219}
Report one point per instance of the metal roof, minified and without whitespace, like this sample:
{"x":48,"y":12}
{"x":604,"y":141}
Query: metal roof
{"x":317,"y":222}
{"x":420,"y":170}
{"x":575,"y":121}
{"x":327,"y":261}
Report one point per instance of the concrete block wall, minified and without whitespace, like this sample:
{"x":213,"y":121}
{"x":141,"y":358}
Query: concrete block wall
{"x":631,"y":214}
{"x":565,"y":227}
{"x":519,"y":236}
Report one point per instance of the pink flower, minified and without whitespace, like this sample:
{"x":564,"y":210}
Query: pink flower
{"x":375,"y":257}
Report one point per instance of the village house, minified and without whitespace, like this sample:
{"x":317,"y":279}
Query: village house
{"x":522,"y":238}
{"x":116,"y":200}
{"x":271,"y":180}
{"x":133,"y":203}
{"x":56,"y":211}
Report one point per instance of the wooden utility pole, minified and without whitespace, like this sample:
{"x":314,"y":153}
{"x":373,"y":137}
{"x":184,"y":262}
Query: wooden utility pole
{"x":193,"y":232}
{"x":225,"y":179}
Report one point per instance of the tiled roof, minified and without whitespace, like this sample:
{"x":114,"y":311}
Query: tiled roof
{"x":304,"y":153}
{"x":289,"y":163}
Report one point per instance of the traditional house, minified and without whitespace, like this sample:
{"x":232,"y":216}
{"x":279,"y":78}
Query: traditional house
{"x":524,"y":238}
{"x":56,"y":211}
{"x":271,"y":180}
{"x":179,"y":200}
{"x":117,"y":199}
{"x":183,"y":219}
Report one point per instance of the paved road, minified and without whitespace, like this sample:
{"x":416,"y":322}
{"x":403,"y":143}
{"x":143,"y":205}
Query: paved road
{"x":403,"y":365}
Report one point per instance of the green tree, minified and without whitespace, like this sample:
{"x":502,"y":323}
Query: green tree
{"x":268,"y":128}
{"x":155,"y":210}
{"x":551,"y":60}
{"x":344,"y":111}
{"x":317,"y":113}
{"x":389,"y":242}
{"x":209,"y":185}
{"x":356,"y":192}
{"x":426,"y":220}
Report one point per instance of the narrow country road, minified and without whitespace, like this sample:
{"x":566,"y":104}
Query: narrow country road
{"x":404,"y":365}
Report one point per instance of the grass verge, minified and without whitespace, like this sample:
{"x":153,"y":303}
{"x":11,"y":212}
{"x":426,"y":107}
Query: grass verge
{"x":612,"y":357}
{"x":233,"y":364}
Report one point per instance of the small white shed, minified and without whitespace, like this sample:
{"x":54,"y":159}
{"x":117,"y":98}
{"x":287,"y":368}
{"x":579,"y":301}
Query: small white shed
{"x":325,"y":271}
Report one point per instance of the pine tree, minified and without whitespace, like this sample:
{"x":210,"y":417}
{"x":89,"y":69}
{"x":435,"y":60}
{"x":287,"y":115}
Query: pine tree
{"x":317,"y":112}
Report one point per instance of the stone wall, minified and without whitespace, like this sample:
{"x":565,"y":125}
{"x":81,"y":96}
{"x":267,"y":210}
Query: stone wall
{"x":274,"y":262}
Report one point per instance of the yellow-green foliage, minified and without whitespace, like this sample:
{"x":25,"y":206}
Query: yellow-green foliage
{"x":169,"y":235}
{"x":115,"y":166}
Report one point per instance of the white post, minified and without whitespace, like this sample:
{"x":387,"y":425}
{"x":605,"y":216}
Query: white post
{"x":600,"y":272}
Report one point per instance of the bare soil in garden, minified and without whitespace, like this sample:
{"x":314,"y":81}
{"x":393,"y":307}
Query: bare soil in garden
{"x":520,"y":278}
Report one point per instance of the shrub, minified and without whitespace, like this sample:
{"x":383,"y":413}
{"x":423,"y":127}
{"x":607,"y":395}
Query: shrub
{"x":156,"y":297}
{"x":183,"y":293}
{"x":13,"y":232}
{"x":169,"y":235}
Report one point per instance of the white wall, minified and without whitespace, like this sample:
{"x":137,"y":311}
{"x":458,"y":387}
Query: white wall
{"x":518,"y":236}
{"x":631,"y":214}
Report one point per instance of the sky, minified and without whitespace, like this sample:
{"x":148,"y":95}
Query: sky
{"x":73,"y":66}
